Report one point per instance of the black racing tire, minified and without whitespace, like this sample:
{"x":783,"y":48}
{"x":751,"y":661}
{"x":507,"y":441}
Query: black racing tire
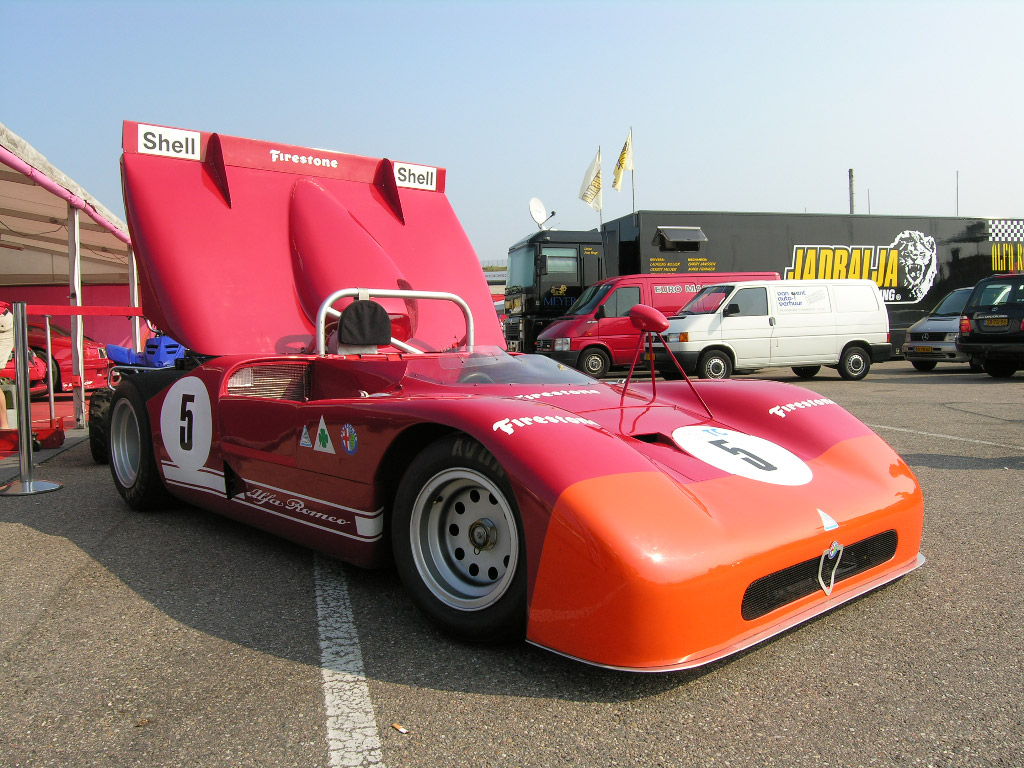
{"x":854,"y":363}
{"x":458,"y":542}
{"x":714,"y":364}
{"x":999,"y":370}
{"x":99,"y":412}
{"x":806,"y":371}
{"x":924,"y":365}
{"x":976,"y":367}
{"x":595,"y":362}
{"x":132,"y":460}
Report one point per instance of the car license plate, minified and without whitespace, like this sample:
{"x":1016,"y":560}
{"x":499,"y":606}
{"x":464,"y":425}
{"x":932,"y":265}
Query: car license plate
{"x":923,"y":349}
{"x":994,"y":321}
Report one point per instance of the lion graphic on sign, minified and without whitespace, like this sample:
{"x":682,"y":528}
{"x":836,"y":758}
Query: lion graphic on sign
{"x":917,"y":262}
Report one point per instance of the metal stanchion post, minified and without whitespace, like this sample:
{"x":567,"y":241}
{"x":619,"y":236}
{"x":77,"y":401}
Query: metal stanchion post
{"x":25,"y":484}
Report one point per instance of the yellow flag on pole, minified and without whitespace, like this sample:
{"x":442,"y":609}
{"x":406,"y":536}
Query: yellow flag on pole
{"x":625,"y":161}
{"x":590,"y":192}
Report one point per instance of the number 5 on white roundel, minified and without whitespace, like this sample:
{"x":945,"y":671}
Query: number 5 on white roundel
{"x":743,"y":455}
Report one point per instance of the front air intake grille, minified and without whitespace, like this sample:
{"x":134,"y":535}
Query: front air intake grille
{"x":280,"y":382}
{"x":790,"y":584}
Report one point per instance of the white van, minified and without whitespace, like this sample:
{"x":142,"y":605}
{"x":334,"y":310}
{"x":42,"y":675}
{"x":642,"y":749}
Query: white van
{"x":805,"y":324}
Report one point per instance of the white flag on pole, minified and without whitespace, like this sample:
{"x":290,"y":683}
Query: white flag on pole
{"x":625,"y":161}
{"x":590,"y":192}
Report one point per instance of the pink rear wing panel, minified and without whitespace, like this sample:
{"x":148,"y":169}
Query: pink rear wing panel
{"x":238,"y":241}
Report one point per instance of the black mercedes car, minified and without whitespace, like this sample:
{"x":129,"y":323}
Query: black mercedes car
{"x":992,"y":325}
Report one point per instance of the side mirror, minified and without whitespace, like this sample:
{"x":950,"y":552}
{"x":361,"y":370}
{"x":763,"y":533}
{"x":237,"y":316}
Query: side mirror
{"x":600,"y":313}
{"x":730,"y":310}
{"x":648,"y":319}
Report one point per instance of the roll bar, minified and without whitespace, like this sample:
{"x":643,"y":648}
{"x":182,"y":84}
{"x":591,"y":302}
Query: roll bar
{"x":363,"y":294}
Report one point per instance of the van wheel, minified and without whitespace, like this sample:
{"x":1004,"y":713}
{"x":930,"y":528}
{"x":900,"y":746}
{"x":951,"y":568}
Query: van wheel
{"x":714,"y":364}
{"x":999,"y":370}
{"x":806,"y":371}
{"x":854,"y":364}
{"x":594,"y":362}
{"x":923,"y":365}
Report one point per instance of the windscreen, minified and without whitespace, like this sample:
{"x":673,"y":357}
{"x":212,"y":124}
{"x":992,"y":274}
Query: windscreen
{"x":520,"y":267}
{"x":953,"y":303}
{"x":999,"y":294}
{"x":706,"y":301}
{"x":589,"y":300}
{"x":491,"y":365}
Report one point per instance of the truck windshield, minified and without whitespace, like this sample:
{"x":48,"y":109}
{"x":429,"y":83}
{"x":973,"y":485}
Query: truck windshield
{"x":707,"y":300}
{"x":521,"y":267}
{"x":589,"y":299}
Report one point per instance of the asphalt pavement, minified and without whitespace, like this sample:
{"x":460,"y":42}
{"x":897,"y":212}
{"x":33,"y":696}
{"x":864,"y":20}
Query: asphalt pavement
{"x":179,"y":638}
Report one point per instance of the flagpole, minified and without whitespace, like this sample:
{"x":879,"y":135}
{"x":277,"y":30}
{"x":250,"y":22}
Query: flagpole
{"x":632,"y":170}
{"x":600,"y":211}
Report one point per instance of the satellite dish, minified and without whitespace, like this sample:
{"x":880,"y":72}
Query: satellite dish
{"x":539,"y":212}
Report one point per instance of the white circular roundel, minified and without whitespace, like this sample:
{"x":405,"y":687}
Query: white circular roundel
{"x":186,"y":423}
{"x":743,"y":455}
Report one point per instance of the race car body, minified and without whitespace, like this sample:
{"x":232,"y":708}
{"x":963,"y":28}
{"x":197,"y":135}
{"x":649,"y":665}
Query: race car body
{"x":649,"y":527}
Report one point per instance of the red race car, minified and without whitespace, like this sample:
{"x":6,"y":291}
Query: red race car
{"x":95,"y":363}
{"x":352,"y":393}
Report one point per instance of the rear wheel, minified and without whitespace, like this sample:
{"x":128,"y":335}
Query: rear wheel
{"x":806,"y":371}
{"x":595,"y":362}
{"x":714,"y":364}
{"x":999,"y":370}
{"x":132,"y":461}
{"x":458,"y":541}
{"x":854,"y":364}
{"x":923,"y":365}
{"x":99,"y":410}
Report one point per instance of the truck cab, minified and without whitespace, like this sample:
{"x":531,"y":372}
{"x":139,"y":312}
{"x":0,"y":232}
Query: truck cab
{"x":546,"y":275}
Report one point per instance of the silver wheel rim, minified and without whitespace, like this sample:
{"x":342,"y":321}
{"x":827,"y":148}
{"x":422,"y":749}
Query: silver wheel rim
{"x":593,"y":364}
{"x":855,"y":364}
{"x":125,"y":443}
{"x":715,"y":368}
{"x":465,"y":543}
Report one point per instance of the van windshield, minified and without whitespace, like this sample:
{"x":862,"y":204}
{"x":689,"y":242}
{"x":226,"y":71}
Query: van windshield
{"x":953,"y":304}
{"x":589,"y":299}
{"x":706,"y":301}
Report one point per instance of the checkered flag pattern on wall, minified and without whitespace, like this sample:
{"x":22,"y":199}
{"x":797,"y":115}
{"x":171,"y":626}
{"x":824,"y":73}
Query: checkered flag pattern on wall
{"x":1006,"y":230}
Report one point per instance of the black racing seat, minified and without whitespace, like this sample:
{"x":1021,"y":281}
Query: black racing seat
{"x":363,"y":326}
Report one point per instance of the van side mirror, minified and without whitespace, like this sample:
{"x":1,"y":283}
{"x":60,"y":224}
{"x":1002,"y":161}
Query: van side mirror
{"x":600,"y":313}
{"x":730,"y":310}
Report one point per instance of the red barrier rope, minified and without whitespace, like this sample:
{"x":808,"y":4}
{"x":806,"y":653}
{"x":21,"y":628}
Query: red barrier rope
{"x":62,"y":310}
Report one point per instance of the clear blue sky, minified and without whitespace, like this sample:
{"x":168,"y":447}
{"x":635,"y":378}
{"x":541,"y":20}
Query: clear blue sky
{"x":749,"y":106}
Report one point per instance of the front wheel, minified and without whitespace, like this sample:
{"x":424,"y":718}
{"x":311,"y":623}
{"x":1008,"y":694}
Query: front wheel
{"x":923,"y":365}
{"x":458,"y":542}
{"x":130,"y":441}
{"x":595,"y":362}
{"x":714,"y":364}
{"x":806,"y":371}
{"x":854,"y":364}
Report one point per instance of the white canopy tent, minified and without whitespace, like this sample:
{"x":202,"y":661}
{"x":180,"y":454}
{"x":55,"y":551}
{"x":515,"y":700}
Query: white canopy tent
{"x":45,"y":240}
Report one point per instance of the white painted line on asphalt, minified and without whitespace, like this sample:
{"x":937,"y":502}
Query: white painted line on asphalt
{"x":352,"y":736}
{"x":946,"y":437}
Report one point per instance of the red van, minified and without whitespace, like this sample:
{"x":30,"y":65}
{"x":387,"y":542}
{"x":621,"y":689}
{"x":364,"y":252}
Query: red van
{"x":597,"y":333}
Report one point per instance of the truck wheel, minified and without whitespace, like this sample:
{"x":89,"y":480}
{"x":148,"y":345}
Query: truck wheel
{"x":99,"y":410}
{"x":594,"y":362}
{"x":854,"y":364}
{"x":714,"y":364}
{"x":458,"y":541}
{"x":132,"y":463}
{"x":806,"y":371}
{"x":999,"y":370}
{"x":923,"y":365}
